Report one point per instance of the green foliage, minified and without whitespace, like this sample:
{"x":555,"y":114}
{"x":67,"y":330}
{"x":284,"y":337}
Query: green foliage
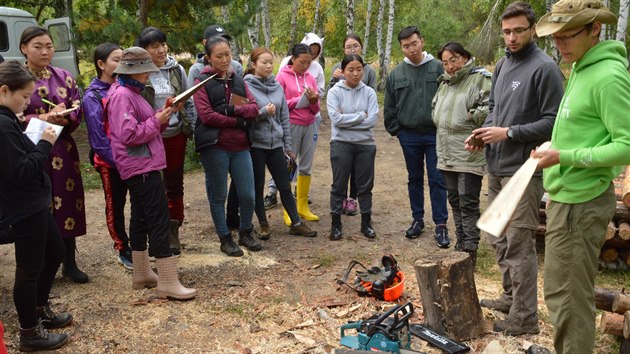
{"x":91,"y":178}
{"x":191,"y":162}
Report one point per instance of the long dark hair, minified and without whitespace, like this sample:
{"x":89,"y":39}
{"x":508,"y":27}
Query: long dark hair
{"x":14,"y":75}
{"x":102,"y":52}
{"x":297,"y":50}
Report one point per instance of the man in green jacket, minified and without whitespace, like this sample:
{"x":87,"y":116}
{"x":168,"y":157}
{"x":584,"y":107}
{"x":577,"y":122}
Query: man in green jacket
{"x":408,"y":93}
{"x":590,"y":143}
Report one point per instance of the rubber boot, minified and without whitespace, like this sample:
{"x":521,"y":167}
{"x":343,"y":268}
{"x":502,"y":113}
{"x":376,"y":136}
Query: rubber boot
{"x":38,"y":338}
{"x":229,"y":247}
{"x":287,"y":218}
{"x":245,"y":239}
{"x":173,"y":238}
{"x":51,"y":320}
{"x":168,"y":285}
{"x":143,"y":274}
{"x":366,"y":225}
{"x":303,"y":186}
{"x":335,"y":227}
{"x":70,"y":269}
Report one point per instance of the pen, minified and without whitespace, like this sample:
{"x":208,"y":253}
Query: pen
{"x":48,"y":102}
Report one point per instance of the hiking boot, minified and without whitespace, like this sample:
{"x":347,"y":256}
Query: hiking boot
{"x":302,"y":230}
{"x":229,"y":247}
{"x":511,"y":328}
{"x":233,"y":220}
{"x":441,"y":236}
{"x":51,"y":320}
{"x":415,"y":229}
{"x":245,"y":239}
{"x":335,"y":228}
{"x":270,"y":201}
{"x":499,"y":304}
{"x":265,"y":231}
{"x":38,"y":338}
{"x":125,"y":258}
{"x":351,"y":207}
{"x":366,"y":225}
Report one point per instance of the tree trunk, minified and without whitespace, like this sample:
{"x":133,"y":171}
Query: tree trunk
{"x":604,"y":299}
{"x":379,"y":36}
{"x":143,"y":12}
{"x":449,"y":295}
{"x":252,"y":28}
{"x":483,"y":45}
{"x":622,"y":212}
{"x":603,"y":35}
{"x":349,"y":16}
{"x":622,"y":23}
{"x":368,"y":15}
{"x":624,"y":230}
{"x":388,"y":47}
{"x":611,"y":230}
{"x":225,"y":14}
{"x":293,"y":31}
{"x":621,"y":303}
{"x":612,"y":323}
{"x":266,"y":23}
{"x":316,"y":18}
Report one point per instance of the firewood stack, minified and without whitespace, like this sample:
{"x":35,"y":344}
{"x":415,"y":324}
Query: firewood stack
{"x":616,"y":316}
{"x":615,"y":254}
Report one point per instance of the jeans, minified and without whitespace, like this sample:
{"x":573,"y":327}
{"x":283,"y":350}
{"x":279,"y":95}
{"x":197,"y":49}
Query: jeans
{"x":217,"y":164}
{"x":463,"y":196}
{"x":416,"y":147}
{"x":38,"y":252}
{"x":173,"y":174}
{"x":115,"y":190}
{"x":343,"y":156}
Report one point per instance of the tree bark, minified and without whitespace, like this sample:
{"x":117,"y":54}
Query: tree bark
{"x":610,"y":231}
{"x":449,"y":295}
{"x":349,"y":16}
{"x":626,"y":325}
{"x":366,"y":38}
{"x":384,"y":72}
{"x":622,"y":26}
{"x":604,"y":299}
{"x":143,"y":12}
{"x":252,"y":28}
{"x":316,"y":18}
{"x":624,"y":230}
{"x":609,"y":254}
{"x":266,"y":23}
{"x":379,"y":36}
{"x":622,"y":212}
{"x":621,"y":303}
{"x":225,"y":14}
{"x":612,"y":323}
{"x":603,"y":35}
{"x":293,"y":31}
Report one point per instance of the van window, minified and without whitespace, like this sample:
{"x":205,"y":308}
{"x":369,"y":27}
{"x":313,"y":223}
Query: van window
{"x":61,"y":36}
{"x":4,"y":37}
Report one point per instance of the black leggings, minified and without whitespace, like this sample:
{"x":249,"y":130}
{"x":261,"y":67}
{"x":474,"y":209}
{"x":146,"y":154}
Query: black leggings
{"x":38,"y":252}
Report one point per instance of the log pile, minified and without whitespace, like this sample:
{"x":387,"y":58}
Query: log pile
{"x":615,"y":319}
{"x":615,"y":254}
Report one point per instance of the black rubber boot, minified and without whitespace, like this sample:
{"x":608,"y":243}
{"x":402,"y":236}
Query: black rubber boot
{"x":335,"y":227}
{"x":51,"y":320}
{"x":366,"y":225}
{"x":70,"y":269}
{"x":229,"y":247}
{"x":38,"y":338}
{"x":173,"y":238}
{"x":245,"y":239}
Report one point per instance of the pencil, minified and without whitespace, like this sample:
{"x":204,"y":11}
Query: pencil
{"x":48,"y":102}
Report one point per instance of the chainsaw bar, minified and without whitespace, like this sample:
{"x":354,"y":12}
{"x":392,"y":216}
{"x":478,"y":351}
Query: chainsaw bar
{"x":448,"y":345}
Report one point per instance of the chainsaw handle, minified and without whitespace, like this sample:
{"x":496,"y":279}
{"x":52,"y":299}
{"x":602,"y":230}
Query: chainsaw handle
{"x":348,"y":326}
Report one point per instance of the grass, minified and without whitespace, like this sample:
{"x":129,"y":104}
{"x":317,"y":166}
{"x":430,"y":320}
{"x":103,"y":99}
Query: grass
{"x":326,"y":260}
{"x":91,"y":178}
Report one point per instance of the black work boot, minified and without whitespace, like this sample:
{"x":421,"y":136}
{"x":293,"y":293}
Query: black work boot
{"x":335,"y":227}
{"x":51,"y":320}
{"x":245,"y":239}
{"x":229,"y":247}
{"x":38,"y":338}
{"x":70,"y":268}
{"x":366,"y":225}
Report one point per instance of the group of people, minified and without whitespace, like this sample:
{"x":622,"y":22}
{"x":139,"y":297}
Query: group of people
{"x":448,"y":114}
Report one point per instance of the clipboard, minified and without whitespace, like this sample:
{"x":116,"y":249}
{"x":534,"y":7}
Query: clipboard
{"x":303,"y":102}
{"x":36,"y":127}
{"x":182,"y":97}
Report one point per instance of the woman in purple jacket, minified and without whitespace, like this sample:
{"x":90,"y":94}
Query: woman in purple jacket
{"x":138,"y":152}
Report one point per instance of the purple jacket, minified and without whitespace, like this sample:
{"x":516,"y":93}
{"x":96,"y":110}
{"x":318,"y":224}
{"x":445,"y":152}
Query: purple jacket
{"x":134,"y":131}
{"x":93,"y":113}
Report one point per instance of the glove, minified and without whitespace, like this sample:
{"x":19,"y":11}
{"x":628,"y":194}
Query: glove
{"x":242,"y":123}
{"x":225,"y":109}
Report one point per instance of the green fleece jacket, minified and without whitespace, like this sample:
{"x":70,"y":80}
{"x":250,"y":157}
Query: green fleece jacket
{"x":591,"y":132}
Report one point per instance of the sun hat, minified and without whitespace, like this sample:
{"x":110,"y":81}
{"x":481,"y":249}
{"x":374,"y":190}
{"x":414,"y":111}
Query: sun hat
{"x":568,"y":14}
{"x":216,"y":30}
{"x":135,"y":60}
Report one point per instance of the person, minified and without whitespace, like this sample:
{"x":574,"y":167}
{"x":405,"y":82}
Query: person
{"x":139,"y":155}
{"x":25,"y":197}
{"x":316,"y":46}
{"x":526,"y":92}
{"x":169,"y":81}
{"x":271,"y":141}
{"x":409,"y":90}
{"x":106,"y":59}
{"x":352,"y":44}
{"x":225,"y":108}
{"x":353,"y":110}
{"x":232,"y":217}
{"x":56,"y":91}
{"x":301,"y":92}
{"x":459,"y":106}
{"x":579,"y":167}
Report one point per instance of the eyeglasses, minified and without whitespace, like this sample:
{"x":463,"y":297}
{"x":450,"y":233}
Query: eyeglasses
{"x":516,"y":31}
{"x":352,"y":47}
{"x":564,"y":39}
{"x":452,"y":60}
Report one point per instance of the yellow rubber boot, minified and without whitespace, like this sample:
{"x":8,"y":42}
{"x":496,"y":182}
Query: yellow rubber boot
{"x":287,"y":218}
{"x":303,"y":186}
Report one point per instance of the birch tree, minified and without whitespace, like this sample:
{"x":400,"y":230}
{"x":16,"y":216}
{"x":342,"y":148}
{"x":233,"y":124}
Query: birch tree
{"x":292,"y":34}
{"x":318,"y":4}
{"x":349,"y":16}
{"x":388,"y":46}
{"x":603,"y":35}
{"x":266,"y":23}
{"x":622,"y":22}
{"x":379,"y":34}
{"x":225,"y":14}
{"x":366,"y":38}
{"x":252,"y":28}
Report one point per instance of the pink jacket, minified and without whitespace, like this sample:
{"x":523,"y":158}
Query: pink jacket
{"x":293,"y":85}
{"x":134,"y":130}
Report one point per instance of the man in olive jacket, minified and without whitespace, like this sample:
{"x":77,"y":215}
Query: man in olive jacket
{"x":408,"y":94}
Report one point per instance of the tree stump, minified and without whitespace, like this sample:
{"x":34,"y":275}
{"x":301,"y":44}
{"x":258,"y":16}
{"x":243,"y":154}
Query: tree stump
{"x":612,"y":323}
{"x":604,"y":299}
{"x":449,"y":295}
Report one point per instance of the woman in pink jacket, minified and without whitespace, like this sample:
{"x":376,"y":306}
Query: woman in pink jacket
{"x":300,"y":89}
{"x":138,"y":152}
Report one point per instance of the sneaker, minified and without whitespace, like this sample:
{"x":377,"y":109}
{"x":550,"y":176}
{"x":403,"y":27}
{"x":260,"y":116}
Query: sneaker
{"x":351,"y":207}
{"x":124,"y":258}
{"x":270,"y":201}
{"x":499,"y":304}
{"x":415,"y":229}
{"x":302,"y":230}
{"x":441,"y":236}
{"x":510,"y":328}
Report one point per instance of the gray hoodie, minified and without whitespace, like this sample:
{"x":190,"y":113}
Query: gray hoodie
{"x":353,"y":113}
{"x":269,"y":132}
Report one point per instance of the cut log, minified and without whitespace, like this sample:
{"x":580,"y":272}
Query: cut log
{"x":449,"y":295}
{"x":622,"y":212}
{"x":626,"y":325}
{"x":621,"y":303}
{"x":604,"y":299}
{"x":626,"y":187}
{"x":625,"y":256}
{"x":624,"y":230}
{"x":542,"y":229}
{"x":612,"y":323}
{"x":617,"y":242}
{"x":610,"y":230}
{"x":609,"y":254}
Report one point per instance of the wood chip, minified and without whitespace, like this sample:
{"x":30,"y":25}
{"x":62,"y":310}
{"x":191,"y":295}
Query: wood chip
{"x":304,"y":324}
{"x":303,"y":339}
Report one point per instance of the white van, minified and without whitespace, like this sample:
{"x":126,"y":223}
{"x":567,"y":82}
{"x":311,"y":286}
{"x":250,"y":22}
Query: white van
{"x":14,"y":21}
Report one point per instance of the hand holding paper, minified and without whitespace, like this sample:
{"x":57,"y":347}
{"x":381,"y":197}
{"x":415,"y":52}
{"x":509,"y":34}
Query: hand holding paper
{"x":36,"y":128}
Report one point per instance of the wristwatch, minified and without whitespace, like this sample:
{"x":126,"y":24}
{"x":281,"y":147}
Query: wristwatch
{"x":510,"y":133}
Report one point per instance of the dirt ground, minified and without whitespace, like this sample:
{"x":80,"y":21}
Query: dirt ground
{"x":274,"y":301}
